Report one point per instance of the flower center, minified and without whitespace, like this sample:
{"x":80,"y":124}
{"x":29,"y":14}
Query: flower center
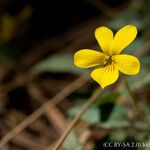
{"x":108,"y":61}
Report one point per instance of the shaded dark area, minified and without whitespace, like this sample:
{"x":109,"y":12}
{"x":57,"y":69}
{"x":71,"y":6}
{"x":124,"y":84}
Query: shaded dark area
{"x":50,"y":18}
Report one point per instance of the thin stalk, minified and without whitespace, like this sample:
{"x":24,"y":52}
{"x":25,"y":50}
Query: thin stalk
{"x":76,"y":119}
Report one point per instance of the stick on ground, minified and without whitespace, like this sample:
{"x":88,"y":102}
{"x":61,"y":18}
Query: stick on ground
{"x":48,"y":105}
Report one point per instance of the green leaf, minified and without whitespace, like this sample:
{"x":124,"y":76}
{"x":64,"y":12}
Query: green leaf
{"x":92,"y":115}
{"x":106,"y":110}
{"x":106,"y":102}
{"x":129,"y":16}
{"x":118,"y":117}
{"x":107,"y":97}
{"x":135,"y":46}
{"x":57,"y":63}
{"x":72,"y":142}
{"x":147,"y":142}
{"x":117,"y":135}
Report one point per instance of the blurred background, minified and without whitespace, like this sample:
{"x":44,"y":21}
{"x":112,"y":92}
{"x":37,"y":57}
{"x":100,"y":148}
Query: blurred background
{"x":37,"y":43}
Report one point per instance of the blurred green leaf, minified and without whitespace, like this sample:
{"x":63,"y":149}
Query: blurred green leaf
{"x":106,"y":102}
{"x":107,"y":97}
{"x":117,"y":135}
{"x":118,"y":117}
{"x":135,"y":46}
{"x":146,"y":108}
{"x":92,"y":115}
{"x":137,"y":14}
{"x":129,"y":16}
{"x":131,"y":131}
{"x":106,"y":110}
{"x":72,"y":142}
{"x":147,"y":142}
{"x":57,"y":63}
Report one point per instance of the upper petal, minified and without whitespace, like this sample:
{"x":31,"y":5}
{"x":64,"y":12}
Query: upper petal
{"x":127,"y":64}
{"x":104,"y":37}
{"x":106,"y":75}
{"x":88,"y":58}
{"x":123,"y":38}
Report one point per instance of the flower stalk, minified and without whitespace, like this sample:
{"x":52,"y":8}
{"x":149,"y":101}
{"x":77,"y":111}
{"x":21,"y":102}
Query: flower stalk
{"x":89,"y":102}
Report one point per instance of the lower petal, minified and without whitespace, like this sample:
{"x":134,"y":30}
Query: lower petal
{"x":89,"y":58}
{"x":105,"y":75}
{"x":127,"y":64}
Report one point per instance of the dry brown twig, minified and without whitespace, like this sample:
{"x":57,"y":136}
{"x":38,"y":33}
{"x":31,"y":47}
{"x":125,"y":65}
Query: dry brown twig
{"x":25,"y":140}
{"x":48,"y":105}
{"x":77,"y":118}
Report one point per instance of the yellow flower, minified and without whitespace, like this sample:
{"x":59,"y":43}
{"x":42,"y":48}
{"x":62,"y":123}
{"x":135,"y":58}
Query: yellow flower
{"x":109,"y":61}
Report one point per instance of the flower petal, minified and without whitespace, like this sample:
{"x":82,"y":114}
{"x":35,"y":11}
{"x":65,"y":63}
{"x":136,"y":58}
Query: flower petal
{"x":127,"y":64}
{"x":104,"y":37}
{"x":123,"y":38}
{"x":106,"y":75}
{"x":88,"y":58}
